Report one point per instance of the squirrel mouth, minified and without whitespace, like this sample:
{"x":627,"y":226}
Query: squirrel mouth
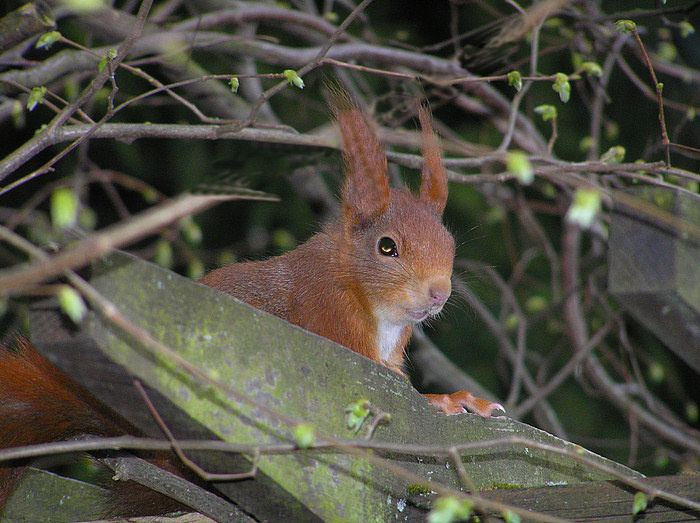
{"x":418,"y":316}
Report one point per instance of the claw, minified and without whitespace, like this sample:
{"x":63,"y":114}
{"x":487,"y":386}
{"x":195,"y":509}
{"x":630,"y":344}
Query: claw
{"x":444,"y":403}
{"x":461,"y":401}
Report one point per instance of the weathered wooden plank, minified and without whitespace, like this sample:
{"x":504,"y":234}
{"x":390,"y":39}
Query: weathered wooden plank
{"x":653,"y":265}
{"x":301,"y":375}
{"x":604,"y":501}
{"x":43,"y":496}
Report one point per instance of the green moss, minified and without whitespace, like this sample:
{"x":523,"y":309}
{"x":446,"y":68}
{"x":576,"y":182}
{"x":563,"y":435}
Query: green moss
{"x":418,"y":490}
{"x":503,"y":486}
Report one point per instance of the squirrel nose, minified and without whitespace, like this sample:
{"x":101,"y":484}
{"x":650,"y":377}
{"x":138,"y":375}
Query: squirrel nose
{"x":439,"y":291}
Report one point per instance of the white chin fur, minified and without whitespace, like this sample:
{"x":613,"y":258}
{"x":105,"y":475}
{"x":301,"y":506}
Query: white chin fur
{"x":389,"y":335}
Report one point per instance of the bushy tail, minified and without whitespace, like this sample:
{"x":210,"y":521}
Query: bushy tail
{"x":41,"y":404}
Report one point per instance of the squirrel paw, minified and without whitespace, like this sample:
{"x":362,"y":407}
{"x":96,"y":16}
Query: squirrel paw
{"x":463,"y":401}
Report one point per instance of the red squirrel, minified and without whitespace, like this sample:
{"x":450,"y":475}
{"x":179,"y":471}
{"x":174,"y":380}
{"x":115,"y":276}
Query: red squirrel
{"x":381,"y":267}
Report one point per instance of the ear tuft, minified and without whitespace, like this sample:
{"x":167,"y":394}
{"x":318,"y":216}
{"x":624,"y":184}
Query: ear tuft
{"x":366,"y":188}
{"x":433,"y":189}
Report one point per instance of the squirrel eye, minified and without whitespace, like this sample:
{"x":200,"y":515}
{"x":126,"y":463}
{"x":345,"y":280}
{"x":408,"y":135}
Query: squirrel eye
{"x":387,"y":247}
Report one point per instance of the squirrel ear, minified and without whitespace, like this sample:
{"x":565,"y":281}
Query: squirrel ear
{"x":433,"y":188}
{"x":366,"y":188}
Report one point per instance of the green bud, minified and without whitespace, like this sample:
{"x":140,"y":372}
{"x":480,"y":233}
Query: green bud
{"x":548,"y":112}
{"x":614,"y":155}
{"x":562,"y":86}
{"x":36,"y":96}
{"x":87,"y":219}
{"x":83,"y":6}
{"x":640,"y":503}
{"x":518,"y":163}
{"x":195,"y":269}
{"x":686,"y":28}
{"x":283,"y":239}
{"x":592,"y":68}
{"x":667,"y":52}
{"x":356,"y":413}
{"x":111,"y":54}
{"x":17,"y":112}
{"x":64,"y":208}
{"x":584,"y":208}
{"x":293,"y":78}
{"x":577,"y":60}
{"x":449,"y":509}
{"x":190,"y":230}
{"x":585,"y":144}
{"x":72,"y":303}
{"x":612,"y":130}
{"x":511,"y":321}
{"x":625,"y":26}
{"x":656,"y":372}
{"x":48,"y":39}
{"x":163,"y":255}
{"x":535,"y":304}
{"x":515,"y":79}
{"x":304,"y":435}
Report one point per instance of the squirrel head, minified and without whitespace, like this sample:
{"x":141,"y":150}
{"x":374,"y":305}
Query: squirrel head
{"x":398,"y":251}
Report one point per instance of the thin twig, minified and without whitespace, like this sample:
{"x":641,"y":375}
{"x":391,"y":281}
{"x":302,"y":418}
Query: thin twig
{"x":177,"y":449}
{"x":517,"y":99}
{"x":658,"y":87}
{"x":301,"y":72}
{"x":32,"y":147}
{"x":98,"y":244}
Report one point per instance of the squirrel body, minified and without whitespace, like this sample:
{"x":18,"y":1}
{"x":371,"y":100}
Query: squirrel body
{"x":368,"y":276}
{"x":381,"y":267}
{"x":355,"y":295}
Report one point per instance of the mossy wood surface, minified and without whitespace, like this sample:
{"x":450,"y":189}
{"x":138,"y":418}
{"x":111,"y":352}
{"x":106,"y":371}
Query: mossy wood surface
{"x":307,"y":377}
{"x":605,"y":501}
{"x":48,"y":498}
{"x":297,"y":374}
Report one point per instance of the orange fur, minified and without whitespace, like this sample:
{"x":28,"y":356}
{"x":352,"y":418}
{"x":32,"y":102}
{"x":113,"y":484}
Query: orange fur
{"x":40,"y":404}
{"x":338,"y":284}
{"x":346,"y":283}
